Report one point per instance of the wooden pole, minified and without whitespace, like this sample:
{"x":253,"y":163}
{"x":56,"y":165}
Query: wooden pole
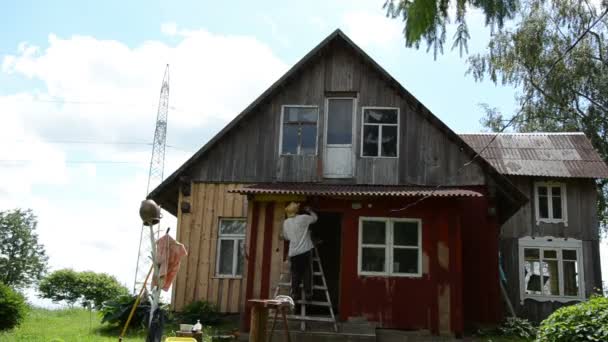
{"x":124,"y":329}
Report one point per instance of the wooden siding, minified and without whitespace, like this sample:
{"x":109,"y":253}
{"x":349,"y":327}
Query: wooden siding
{"x":250,"y":152}
{"x":198,"y":231}
{"x":582,"y":217}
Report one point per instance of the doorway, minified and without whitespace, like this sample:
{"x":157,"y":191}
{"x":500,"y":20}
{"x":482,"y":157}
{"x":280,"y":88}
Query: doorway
{"x":339,"y":127}
{"x":327,"y":233}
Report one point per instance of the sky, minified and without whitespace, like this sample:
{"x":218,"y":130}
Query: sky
{"x":79,"y":90}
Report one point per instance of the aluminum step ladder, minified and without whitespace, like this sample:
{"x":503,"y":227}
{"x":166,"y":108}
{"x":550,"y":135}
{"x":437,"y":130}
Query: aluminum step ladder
{"x":317,"y":274}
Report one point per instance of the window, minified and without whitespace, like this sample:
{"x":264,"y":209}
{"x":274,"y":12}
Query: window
{"x":299,"y":130}
{"x":380,"y":132}
{"x":551,"y":269}
{"x":230,"y":242}
{"x":550,"y":201}
{"x":389,"y":247}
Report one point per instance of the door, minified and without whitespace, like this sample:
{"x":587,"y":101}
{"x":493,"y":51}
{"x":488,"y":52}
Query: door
{"x":338,"y":150}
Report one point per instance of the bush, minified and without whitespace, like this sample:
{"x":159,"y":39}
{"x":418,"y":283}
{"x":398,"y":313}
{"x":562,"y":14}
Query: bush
{"x":90,"y":288}
{"x":204,"y":311}
{"x":12,"y":308}
{"x":587,"y":321}
{"x":517,"y":327}
{"x":117,"y":311}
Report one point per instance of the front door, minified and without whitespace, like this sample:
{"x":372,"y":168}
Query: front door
{"x":338,"y":154}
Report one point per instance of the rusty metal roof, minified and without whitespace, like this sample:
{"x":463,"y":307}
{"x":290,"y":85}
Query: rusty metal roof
{"x":317,"y":189}
{"x":540,"y":154}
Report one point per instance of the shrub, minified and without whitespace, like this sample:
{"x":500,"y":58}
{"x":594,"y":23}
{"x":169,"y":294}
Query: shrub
{"x":117,"y":311}
{"x":90,"y":288}
{"x":204,"y":311}
{"x":517,"y":327}
{"x":12,"y":308}
{"x":587,"y":321}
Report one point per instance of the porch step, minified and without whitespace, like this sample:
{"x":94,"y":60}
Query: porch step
{"x":310,"y":318}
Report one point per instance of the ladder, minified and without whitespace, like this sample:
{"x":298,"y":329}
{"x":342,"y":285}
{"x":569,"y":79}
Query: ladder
{"x":316,"y":274}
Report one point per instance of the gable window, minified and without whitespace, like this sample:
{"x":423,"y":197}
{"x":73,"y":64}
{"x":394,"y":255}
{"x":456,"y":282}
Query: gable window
{"x":550,"y":202}
{"x":231,"y":237}
{"x":380,"y":132}
{"x":299,"y":130}
{"x":389,"y":246}
{"x":551,"y":269}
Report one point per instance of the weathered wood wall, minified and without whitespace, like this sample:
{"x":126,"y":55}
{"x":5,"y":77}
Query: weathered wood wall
{"x":250,"y":152}
{"x":198,"y":231}
{"x":582,"y":224}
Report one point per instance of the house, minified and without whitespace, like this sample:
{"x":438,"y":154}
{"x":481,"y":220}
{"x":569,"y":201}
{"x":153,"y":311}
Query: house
{"x":412,"y":218}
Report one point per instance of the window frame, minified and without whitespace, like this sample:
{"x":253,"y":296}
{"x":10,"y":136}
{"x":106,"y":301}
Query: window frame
{"x":398,"y":124}
{"x":549,"y":185}
{"x":559,"y":245}
{"x":230,"y":237}
{"x":388,"y":247}
{"x":282,"y":119}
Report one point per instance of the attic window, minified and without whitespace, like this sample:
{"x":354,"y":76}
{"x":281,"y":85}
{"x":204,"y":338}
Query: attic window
{"x":550,"y":202}
{"x":299,"y":130}
{"x":380,"y":132}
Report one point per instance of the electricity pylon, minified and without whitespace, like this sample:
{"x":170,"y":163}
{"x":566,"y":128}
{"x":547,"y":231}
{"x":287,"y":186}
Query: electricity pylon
{"x":155,"y":177}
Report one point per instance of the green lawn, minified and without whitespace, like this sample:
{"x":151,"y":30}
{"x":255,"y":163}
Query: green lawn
{"x":70,"y":325}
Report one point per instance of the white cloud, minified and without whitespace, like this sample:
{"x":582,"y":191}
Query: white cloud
{"x":88,"y":89}
{"x":372,"y":29}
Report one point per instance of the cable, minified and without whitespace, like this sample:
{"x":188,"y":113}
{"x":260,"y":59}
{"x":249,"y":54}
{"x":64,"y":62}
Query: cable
{"x":512,"y":120}
{"x":26,"y":161}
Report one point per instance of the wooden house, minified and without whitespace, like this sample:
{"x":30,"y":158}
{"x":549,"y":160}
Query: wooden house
{"x":411,"y":217}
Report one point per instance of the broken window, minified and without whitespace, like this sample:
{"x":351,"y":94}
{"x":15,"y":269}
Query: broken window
{"x":299,"y":131}
{"x":389,"y":246}
{"x":380,"y":132}
{"x":231,"y":237}
{"x":550,"y":202}
{"x":550,"y":268}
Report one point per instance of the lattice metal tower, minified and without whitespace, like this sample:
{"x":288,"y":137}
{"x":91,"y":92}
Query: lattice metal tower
{"x":155,"y":177}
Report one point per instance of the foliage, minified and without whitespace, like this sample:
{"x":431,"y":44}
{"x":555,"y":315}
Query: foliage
{"x":117,"y":311}
{"x":426,"y":19}
{"x":12,"y":308}
{"x":23,"y":260}
{"x":557,"y":94}
{"x":517,"y":327}
{"x":204,"y":311}
{"x":587,"y":321}
{"x":90,"y":288}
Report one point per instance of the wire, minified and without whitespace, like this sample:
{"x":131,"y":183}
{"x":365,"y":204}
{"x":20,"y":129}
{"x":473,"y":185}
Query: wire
{"x":512,"y":120}
{"x":26,"y":161}
{"x":91,"y":142}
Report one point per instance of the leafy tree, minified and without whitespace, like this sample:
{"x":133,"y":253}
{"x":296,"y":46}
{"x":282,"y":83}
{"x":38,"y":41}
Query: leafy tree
{"x":427,"y":19}
{"x":12,"y":308}
{"x":23,"y":260}
{"x":559,"y":92}
{"x":89,"y":288}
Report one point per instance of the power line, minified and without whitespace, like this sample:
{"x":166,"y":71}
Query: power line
{"x":92,"y":142}
{"x":512,"y":120}
{"x":29,"y":161}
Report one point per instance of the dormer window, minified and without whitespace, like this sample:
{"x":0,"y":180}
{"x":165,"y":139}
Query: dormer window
{"x":299,"y":130}
{"x":380,"y":132}
{"x":550,"y":202}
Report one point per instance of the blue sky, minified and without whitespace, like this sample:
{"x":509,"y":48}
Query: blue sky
{"x":82,"y":71}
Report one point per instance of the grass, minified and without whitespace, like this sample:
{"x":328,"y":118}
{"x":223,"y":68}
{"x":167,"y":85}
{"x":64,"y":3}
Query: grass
{"x":75,"y":325}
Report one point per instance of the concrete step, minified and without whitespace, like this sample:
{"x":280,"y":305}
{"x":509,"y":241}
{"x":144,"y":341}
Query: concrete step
{"x":298,"y":336}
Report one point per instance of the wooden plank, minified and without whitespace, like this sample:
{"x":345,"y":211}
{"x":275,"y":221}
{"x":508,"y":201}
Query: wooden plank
{"x":257,"y":281}
{"x":178,"y":236}
{"x":251,"y":246}
{"x":225,"y":285}
{"x":267,"y":250}
{"x":194,"y":259}
{"x":277,"y":245}
{"x":235,"y":295}
{"x":218,"y":206}
{"x":185,"y":228}
{"x":202,"y":274}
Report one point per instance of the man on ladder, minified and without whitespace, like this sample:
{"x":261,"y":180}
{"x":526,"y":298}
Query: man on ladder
{"x":296,"y":231}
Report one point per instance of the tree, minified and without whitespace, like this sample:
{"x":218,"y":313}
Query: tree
{"x":89,"y":288}
{"x":562,"y":78}
{"x":427,"y":19}
{"x":23,"y":260}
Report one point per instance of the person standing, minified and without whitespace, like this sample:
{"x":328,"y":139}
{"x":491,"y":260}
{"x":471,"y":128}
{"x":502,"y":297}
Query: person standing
{"x":296,"y":231}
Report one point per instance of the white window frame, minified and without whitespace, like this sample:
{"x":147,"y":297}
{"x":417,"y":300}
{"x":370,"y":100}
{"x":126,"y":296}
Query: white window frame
{"x":557,"y":244}
{"x":398,"y":124}
{"x":388,"y":247}
{"x":281,"y":131}
{"x":564,"y":201}
{"x":234,"y":238}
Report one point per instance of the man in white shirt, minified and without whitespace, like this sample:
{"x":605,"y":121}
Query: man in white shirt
{"x":296,"y":231}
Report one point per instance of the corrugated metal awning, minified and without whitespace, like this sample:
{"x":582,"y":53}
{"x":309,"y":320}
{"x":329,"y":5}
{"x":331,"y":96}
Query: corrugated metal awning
{"x":316,"y":189}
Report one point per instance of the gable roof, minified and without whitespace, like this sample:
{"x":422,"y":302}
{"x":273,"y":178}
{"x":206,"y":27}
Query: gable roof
{"x":568,"y":155}
{"x":515,"y":197}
